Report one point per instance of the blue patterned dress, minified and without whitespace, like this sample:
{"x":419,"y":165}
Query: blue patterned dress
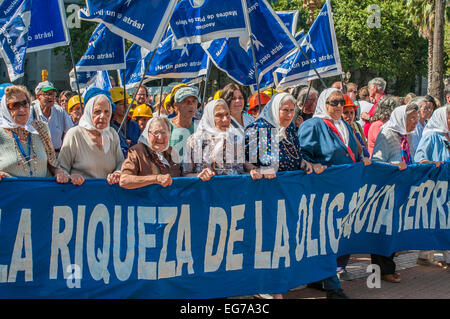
{"x":261,"y":148}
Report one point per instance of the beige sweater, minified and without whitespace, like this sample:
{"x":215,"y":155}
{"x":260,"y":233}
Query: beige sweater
{"x":80,"y":155}
{"x":9,"y":157}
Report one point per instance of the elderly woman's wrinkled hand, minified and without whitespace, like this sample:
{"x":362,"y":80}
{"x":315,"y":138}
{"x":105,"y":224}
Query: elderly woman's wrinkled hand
{"x":206,"y":174}
{"x":113,"y":178}
{"x":77,"y":179}
{"x":2,"y":175}
{"x":164,"y":180}
{"x":367,"y":161}
{"x":319,"y":168}
{"x":61,"y":177}
{"x":307,"y":167}
{"x":255,"y":174}
{"x":402,"y":166}
{"x":431,"y":162}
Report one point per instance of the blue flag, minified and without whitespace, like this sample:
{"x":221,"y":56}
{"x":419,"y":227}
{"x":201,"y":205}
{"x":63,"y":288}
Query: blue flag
{"x":48,"y":28}
{"x":15,"y":18}
{"x":84,"y":79}
{"x":195,"y":21}
{"x":137,"y":59}
{"x":272,"y":78}
{"x":140,"y":21}
{"x":178,"y":61}
{"x":170,"y":61}
{"x":106,"y":51}
{"x":290,"y":19}
{"x":272,"y":42}
{"x":100,"y":80}
{"x":320,"y":45}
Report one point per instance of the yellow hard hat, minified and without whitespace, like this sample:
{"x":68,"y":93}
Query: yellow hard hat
{"x":134,"y":102}
{"x":167,"y":100}
{"x":271,"y":92}
{"x":176,"y":87}
{"x":117,"y":94}
{"x":217,"y":95}
{"x":142,"y":110}
{"x":74,"y":101}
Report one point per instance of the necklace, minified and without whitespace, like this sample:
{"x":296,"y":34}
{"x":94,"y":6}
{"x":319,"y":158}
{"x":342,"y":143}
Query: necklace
{"x":288,"y":151}
{"x":24,"y":158}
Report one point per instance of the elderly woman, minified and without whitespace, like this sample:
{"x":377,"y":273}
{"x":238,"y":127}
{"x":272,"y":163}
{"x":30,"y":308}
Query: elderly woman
{"x":426,"y":109}
{"x":282,"y":149}
{"x":434,"y":146}
{"x":92,"y":149}
{"x":236,"y":100}
{"x":328,"y":140}
{"x":386,"y":105}
{"x":150,"y":161}
{"x":349,"y":115}
{"x":25,"y":143}
{"x":216,"y":148}
{"x":393,"y":145}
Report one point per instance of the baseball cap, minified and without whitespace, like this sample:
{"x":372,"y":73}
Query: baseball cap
{"x":185,"y":92}
{"x":44,"y":87}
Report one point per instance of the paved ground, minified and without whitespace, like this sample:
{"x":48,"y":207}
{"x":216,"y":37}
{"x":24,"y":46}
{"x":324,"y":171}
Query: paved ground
{"x":418,"y":282}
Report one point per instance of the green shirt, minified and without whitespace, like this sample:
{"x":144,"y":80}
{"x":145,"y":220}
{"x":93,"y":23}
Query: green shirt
{"x":179,"y":136}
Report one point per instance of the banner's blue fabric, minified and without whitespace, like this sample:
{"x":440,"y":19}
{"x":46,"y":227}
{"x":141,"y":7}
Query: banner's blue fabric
{"x":212,"y":239}
{"x":290,"y":19}
{"x":106,"y":51}
{"x":48,"y":27}
{"x":320,"y":45}
{"x":140,"y":21}
{"x":15,"y":18}
{"x":136,"y":61}
{"x":195,"y":21}
{"x":272,"y":43}
{"x":100,"y":80}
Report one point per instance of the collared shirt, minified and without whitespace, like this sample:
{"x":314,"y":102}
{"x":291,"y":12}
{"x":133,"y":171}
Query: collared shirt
{"x":59,"y":123}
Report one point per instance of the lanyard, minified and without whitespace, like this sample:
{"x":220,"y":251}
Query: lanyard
{"x":25,"y":156}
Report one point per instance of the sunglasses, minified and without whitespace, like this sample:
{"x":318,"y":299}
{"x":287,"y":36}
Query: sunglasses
{"x":336,"y":102}
{"x":17,"y":105}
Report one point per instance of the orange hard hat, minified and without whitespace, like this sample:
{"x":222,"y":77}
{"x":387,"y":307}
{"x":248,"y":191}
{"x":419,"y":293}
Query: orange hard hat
{"x":254,"y":103}
{"x":349,"y":102}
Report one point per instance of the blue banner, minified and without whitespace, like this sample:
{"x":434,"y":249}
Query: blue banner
{"x":136,"y":60}
{"x":15,"y":18}
{"x":195,"y":21}
{"x":320,"y":46}
{"x":212,"y":239}
{"x":290,"y":19}
{"x":272,"y":43}
{"x":140,"y":21}
{"x":106,"y":51}
{"x":48,"y":27}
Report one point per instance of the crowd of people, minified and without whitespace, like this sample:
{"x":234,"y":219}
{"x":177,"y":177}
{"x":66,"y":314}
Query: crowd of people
{"x":76,"y":138}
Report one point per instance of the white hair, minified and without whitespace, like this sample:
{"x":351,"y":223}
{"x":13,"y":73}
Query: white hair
{"x":379,"y":83}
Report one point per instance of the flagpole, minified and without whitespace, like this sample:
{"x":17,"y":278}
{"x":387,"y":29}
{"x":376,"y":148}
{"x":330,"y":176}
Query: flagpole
{"x":76,"y":75}
{"x":135,"y":92}
{"x":160,"y":98}
{"x":208,"y":65}
{"x":249,"y":29}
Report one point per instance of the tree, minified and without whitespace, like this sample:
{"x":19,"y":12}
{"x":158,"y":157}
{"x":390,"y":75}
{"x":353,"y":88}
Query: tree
{"x":437,"y":71}
{"x":394,"y":50}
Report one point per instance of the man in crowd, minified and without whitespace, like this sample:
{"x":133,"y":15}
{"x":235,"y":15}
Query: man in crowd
{"x":130,"y":131}
{"x":45,"y":107}
{"x":142,"y":97}
{"x":185,"y":103}
{"x":377,"y":87}
{"x":306,"y":102}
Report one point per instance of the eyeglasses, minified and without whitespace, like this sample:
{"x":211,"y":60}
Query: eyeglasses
{"x":161,"y":134}
{"x":239,"y":98}
{"x":48,"y":93}
{"x":336,"y":102}
{"x":427,"y":108}
{"x":17,"y":105}
{"x":351,"y":91}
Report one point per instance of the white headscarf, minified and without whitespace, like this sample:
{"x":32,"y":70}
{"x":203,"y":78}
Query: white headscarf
{"x":207,"y":124}
{"x":321,"y":112}
{"x":86,"y":122}
{"x":437,"y":122}
{"x":397,"y":121}
{"x":145,"y":140}
{"x":271,"y":113}
{"x":6,"y":121}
